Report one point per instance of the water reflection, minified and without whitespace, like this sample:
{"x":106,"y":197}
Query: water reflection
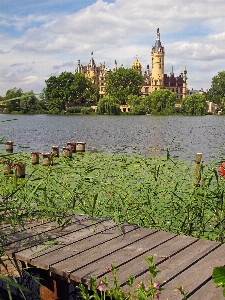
{"x":149,"y":135}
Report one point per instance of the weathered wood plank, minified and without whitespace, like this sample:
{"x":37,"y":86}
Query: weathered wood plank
{"x":42,"y":234}
{"x":104,"y":248}
{"x":57,"y":240}
{"x":83,"y":248}
{"x":208,"y":292}
{"x":124,"y":251}
{"x":196,"y":274}
{"x":65,"y":267}
{"x":78,"y":241}
{"x":172,"y":266}
{"x":10,"y":266}
{"x":138,"y":267}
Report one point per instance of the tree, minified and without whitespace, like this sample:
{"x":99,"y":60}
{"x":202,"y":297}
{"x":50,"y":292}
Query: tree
{"x":122,"y":83}
{"x":108,"y":105}
{"x":137,"y":105}
{"x":17,"y":100}
{"x":194,"y":105}
{"x":15,"y":95}
{"x":217,"y":90}
{"x":29,"y":103}
{"x":160,"y":101}
{"x":67,"y":89}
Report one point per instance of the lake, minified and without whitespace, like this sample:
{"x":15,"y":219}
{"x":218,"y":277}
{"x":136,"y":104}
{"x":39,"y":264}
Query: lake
{"x":146,"y":135}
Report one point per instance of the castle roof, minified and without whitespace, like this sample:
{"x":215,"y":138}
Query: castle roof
{"x":157,"y":42}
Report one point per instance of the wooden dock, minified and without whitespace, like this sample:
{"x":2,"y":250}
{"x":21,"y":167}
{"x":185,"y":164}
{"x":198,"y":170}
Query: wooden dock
{"x":84,"y":248}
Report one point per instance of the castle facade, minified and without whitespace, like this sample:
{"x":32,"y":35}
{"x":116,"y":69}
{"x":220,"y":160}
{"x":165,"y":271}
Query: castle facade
{"x":154,"y":79}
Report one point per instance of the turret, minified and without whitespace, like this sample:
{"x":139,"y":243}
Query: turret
{"x":137,"y":66}
{"x":115,"y":66}
{"x":92,"y":70}
{"x":157,"y":64}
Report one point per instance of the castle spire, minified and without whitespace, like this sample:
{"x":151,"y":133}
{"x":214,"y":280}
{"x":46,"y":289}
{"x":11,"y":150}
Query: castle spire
{"x":157,"y":42}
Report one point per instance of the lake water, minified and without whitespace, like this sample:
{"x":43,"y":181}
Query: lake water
{"x":147,"y":135}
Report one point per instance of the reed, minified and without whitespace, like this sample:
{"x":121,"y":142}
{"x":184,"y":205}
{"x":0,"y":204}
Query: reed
{"x":156,"y":192}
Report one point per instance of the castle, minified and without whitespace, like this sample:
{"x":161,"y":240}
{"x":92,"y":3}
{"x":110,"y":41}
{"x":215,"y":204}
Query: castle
{"x":153,"y":80}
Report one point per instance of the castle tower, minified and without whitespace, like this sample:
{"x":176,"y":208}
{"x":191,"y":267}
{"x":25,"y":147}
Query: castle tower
{"x":157,"y":78}
{"x":137,"y":66}
{"x":184,"y":89}
{"x":92,"y":74}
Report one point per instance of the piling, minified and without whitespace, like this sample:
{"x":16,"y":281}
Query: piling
{"x":55,"y":151}
{"x":67,"y":152}
{"x":9,"y":146}
{"x":198,"y":160}
{"x":80,"y":147}
{"x":7,"y":167}
{"x":47,"y":159}
{"x":20,"y":169}
{"x":72,"y":146}
{"x":35,"y":158}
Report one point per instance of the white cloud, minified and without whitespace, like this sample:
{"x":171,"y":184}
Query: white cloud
{"x":193,"y":34}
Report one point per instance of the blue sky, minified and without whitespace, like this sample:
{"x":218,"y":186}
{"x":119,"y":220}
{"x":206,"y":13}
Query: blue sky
{"x":44,"y":38}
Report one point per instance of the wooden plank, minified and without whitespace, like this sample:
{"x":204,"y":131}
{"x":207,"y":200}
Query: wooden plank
{"x":45,"y":233}
{"x":42,"y":258}
{"x":195,"y":275}
{"x":208,"y":292}
{"x":10,"y":266}
{"x":138,"y":267}
{"x":33,"y":226}
{"x":89,"y":241}
{"x":175,"y":264}
{"x":65,"y":267}
{"x":7,"y":229}
{"x":125,"y":250}
{"x":57,"y":240}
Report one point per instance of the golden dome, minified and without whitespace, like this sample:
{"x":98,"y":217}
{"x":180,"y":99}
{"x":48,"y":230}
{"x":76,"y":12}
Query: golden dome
{"x":136,"y":64}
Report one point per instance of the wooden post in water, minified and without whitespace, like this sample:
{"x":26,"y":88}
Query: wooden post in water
{"x":7,"y":167}
{"x":20,"y":169}
{"x":80,"y":147}
{"x":47,"y":159}
{"x":72,"y":146}
{"x":67,"y":152}
{"x":198,"y":160}
{"x":9,"y":146}
{"x":35,"y":158}
{"x":55,"y":151}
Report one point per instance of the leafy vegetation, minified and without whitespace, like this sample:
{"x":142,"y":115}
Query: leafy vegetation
{"x":122,"y":83}
{"x":217,"y":90}
{"x":16,"y":101}
{"x":218,"y":277}
{"x":153,"y":192}
{"x":67,"y":90}
{"x":160,"y":102}
{"x":108,"y":105}
{"x":194,"y":105}
{"x":143,"y":291}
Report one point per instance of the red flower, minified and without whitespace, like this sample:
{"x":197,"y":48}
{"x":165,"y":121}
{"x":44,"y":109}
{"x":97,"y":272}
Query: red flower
{"x":222,"y":170}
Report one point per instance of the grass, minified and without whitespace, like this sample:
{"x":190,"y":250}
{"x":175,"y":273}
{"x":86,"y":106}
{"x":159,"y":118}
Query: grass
{"x":155,"y":192}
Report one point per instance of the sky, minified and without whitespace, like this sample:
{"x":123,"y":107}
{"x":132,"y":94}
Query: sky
{"x":43,"y":38}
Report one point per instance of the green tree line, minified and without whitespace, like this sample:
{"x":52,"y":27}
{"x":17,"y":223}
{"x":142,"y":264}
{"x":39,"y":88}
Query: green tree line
{"x":74,"y":93}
